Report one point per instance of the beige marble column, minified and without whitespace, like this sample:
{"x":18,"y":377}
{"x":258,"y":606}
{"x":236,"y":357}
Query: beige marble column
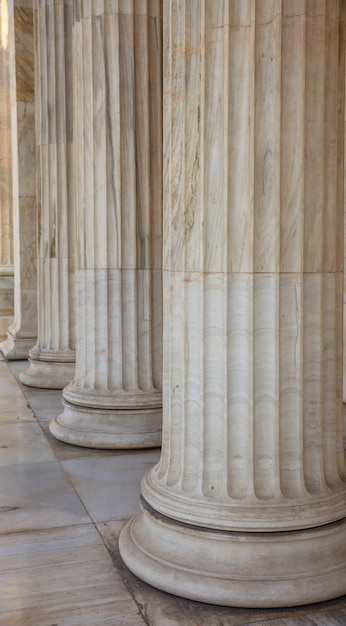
{"x":52,"y":359}
{"x":247,"y":506}
{"x":6,"y":220}
{"x":114,"y":400}
{"x":22,"y":333}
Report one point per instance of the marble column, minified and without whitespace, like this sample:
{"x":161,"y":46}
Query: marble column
{"x":6,"y":221}
{"x":247,"y":506}
{"x":52,"y":359}
{"x":22,"y":333}
{"x":115,"y":399}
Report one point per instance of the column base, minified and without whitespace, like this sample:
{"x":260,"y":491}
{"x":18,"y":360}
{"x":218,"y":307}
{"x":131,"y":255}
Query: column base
{"x":249,"y":569}
{"x":92,"y":427}
{"x":5,"y":322}
{"x":47,"y":374}
{"x":15,"y":347}
{"x":6,"y":302}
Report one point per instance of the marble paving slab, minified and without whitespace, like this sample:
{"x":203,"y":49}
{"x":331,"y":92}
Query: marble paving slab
{"x":61,"y":577}
{"x":162,"y":609}
{"x":13,"y":404}
{"x":110,"y":487}
{"x":45,"y":404}
{"x":23,"y":443}
{"x":38,"y":495}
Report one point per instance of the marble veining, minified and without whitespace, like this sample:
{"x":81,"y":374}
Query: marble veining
{"x":73,"y":574}
{"x":6,"y":214}
{"x":118,"y":134}
{"x":52,"y":358}
{"x":6,"y":218}
{"x":23,"y":17}
{"x":21,"y":335}
{"x":253,"y":290}
{"x":240,"y":335}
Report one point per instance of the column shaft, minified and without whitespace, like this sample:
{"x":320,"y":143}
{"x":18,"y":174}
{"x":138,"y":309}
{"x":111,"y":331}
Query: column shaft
{"x":253,"y":286}
{"x":6,"y":218}
{"x":114,"y":399}
{"x":22,"y":333}
{"x":52,"y":358}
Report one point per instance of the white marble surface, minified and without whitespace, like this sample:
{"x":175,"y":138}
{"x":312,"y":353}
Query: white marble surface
{"x":110,"y":487}
{"x":51,"y":360}
{"x":22,"y":332}
{"x":62,"y":576}
{"x":252,"y":290}
{"x":23,"y":443}
{"x":13,"y":405}
{"x":6,"y":300}
{"x":6,"y":214}
{"x":66,"y":575}
{"x":38,"y":495}
{"x":118,"y":134}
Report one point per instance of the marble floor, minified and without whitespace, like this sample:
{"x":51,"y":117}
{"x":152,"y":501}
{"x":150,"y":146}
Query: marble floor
{"x":61,"y":512}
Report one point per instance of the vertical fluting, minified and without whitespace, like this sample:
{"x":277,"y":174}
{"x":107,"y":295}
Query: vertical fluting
{"x":252,"y":265}
{"x":22,"y":333}
{"x":6,"y":219}
{"x":291,"y":240}
{"x":239,"y":159}
{"x":252,"y":470}
{"x":6,"y":216}
{"x":116,"y":190}
{"x":51,"y":360}
{"x":118,"y":93}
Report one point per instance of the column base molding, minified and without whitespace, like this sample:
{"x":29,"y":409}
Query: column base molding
{"x":47,"y":374}
{"x":6,"y":301}
{"x":16,"y":347}
{"x":240,"y":569}
{"x":5,"y":322}
{"x":92,"y":427}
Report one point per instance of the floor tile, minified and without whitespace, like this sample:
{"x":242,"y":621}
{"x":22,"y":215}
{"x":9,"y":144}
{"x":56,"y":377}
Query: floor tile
{"x":37,"y":495}
{"x":62,"y":577}
{"x":13,"y":404}
{"x":24,"y":443}
{"x":45,"y":403}
{"x":110,"y":487}
{"x":17,"y":367}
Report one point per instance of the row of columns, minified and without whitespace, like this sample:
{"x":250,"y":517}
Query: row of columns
{"x":237,"y":142}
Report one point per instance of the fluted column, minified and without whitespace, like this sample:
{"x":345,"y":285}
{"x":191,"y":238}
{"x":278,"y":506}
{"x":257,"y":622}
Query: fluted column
{"x":114,"y":399}
{"x":6,"y":219}
{"x":52,"y":359}
{"x":247,"y":505}
{"x":22,"y":333}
